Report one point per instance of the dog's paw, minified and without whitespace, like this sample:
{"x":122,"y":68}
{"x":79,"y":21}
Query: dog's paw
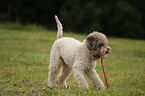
{"x":49,"y":86}
{"x":99,"y":88}
{"x":62,"y":85}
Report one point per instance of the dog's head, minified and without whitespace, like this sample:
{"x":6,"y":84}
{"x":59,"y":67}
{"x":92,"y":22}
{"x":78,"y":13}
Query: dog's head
{"x":97,"y":45}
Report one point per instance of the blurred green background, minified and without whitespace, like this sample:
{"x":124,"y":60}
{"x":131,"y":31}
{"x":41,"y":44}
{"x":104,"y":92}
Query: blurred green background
{"x":117,"y":18}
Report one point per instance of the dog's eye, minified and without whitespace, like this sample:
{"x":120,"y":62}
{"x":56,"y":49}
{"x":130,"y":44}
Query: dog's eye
{"x":91,"y":39}
{"x":100,"y":45}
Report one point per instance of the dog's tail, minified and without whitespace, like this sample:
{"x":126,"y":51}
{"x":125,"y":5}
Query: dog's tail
{"x":59,"y":26}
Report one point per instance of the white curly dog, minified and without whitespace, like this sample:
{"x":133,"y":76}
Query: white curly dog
{"x":76,"y":57}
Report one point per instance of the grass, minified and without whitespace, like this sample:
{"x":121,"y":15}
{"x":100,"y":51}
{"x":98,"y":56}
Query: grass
{"x":24,"y":60}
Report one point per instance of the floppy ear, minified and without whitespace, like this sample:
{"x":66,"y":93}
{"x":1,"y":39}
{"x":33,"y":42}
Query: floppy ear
{"x":92,"y":43}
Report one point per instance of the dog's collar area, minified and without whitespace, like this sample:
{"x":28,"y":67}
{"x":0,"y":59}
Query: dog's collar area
{"x":95,"y":57}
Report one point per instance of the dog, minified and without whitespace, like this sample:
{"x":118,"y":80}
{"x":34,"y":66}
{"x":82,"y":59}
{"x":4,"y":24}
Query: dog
{"x":76,"y":57}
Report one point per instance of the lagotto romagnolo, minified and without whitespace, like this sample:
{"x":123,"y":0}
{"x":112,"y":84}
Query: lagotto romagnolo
{"x":73,"y":56}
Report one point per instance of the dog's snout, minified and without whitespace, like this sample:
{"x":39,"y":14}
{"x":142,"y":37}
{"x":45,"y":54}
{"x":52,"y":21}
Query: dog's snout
{"x":108,"y":49}
{"x":107,"y":52}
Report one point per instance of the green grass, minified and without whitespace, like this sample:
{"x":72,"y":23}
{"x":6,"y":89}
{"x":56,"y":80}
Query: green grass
{"x":24,"y":60}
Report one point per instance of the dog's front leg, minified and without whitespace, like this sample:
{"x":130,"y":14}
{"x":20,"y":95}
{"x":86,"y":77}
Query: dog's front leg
{"x":78,"y":74}
{"x":94,"y":78}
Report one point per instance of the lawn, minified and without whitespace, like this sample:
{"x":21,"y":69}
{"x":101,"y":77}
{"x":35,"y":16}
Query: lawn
{"x":24,"y":61}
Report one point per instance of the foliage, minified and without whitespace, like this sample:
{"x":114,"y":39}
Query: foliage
{"x":121,"y":18}
{"x":24,"y":60}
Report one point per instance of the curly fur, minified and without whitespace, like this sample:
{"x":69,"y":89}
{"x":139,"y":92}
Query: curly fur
{"x":76,"y":57}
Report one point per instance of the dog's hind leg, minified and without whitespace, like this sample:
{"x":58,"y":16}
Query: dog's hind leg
{"x":63,"y":76}
{"x":54,"y":67}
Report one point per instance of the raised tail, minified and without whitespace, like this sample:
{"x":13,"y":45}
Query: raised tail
{"x":59,"y":26}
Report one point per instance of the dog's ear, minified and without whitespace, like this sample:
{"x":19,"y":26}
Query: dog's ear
{"x":92,"y":43}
